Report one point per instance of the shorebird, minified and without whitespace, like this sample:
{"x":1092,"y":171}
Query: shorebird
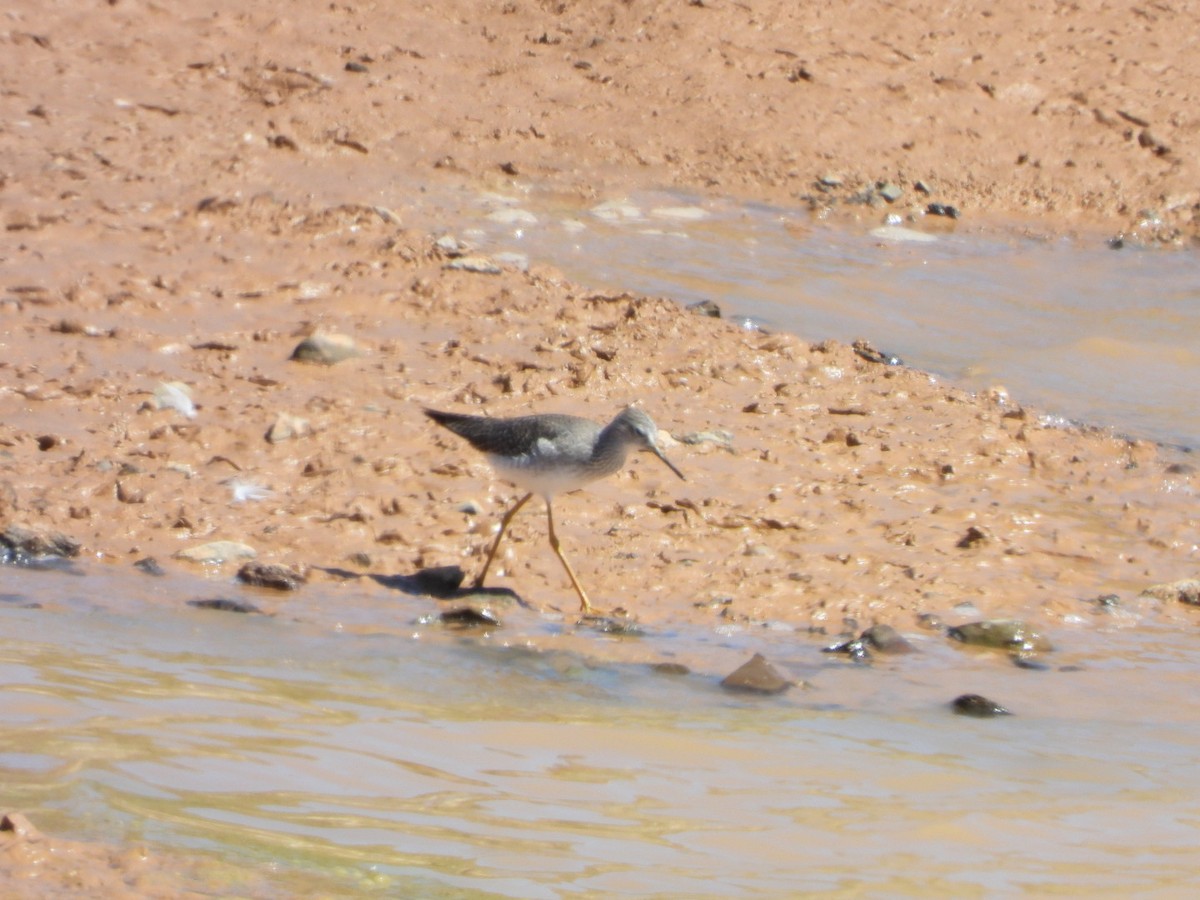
{"x":550,"y":453}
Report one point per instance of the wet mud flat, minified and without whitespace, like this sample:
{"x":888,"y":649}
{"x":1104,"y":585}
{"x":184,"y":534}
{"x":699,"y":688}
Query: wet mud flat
{"x":276,"y":423}
{"x":823,"y":483}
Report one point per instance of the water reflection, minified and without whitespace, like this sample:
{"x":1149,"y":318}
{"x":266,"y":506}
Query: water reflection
{"x":436,"y":765}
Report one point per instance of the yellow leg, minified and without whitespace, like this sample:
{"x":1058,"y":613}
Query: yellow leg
{"x":586,"y":604}
{"x":508,"y":517}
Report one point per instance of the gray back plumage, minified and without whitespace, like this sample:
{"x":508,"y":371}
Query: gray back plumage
{"x":517,"y":436}
{"x":556,"y":449}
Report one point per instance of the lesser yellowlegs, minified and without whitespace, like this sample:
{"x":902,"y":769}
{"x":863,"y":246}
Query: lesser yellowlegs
{"x":548,"y":454}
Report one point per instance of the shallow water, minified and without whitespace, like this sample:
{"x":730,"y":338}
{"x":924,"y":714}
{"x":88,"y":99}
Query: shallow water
{"x":395,"y":759}
{"x":1102,"y":336}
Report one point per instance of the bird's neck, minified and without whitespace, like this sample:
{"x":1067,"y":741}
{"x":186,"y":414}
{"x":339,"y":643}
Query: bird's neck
{"x":611,"y":447}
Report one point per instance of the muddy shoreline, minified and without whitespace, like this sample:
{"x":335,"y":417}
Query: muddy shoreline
{"x":827,"y":485}
{"x":186,"y":198}
{"x":826,"y":492}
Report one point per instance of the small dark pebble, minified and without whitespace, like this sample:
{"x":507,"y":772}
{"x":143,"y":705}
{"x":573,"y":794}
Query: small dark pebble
{"x":889,"y":192}
{"x":463,"y":617}
{"x":439,"y":581}
{"x":855,"y":648}
{"x":271,"y":575}
{"x":150,"y":566}
{"x":865,"y":350}
{"x":756,"y":676}
{"x":973,"y":536}
{"x":883,"y":638}
{"x":706,"y":308}
{"x":223,"y":346}
{"x":223,"y":604}
{"x":358,"y":67}
{"x":978,"y":706}
{"x":942,"y":209}
{"x":1107,"y":601}
{"x":670,"y":668}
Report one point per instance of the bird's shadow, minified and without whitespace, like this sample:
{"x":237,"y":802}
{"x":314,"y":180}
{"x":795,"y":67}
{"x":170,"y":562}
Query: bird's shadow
{"x":445,"y":583}
{"x":439,"y":582}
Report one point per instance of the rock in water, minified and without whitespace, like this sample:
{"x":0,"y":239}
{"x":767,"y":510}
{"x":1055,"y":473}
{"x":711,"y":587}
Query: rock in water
{"x":756,"y":676}
{"x":853,"y":647}
{"x":978,"y":706}
{"x":271,"y":575}
{"x":887,"y":639}
{"x":464,"y":617}
{"x":1002,"y":634}
{"x":150,"y":566}
{"x":19,"y":544}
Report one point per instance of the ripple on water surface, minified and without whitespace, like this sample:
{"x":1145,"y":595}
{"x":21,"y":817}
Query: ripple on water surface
{"x":445,"y":765}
